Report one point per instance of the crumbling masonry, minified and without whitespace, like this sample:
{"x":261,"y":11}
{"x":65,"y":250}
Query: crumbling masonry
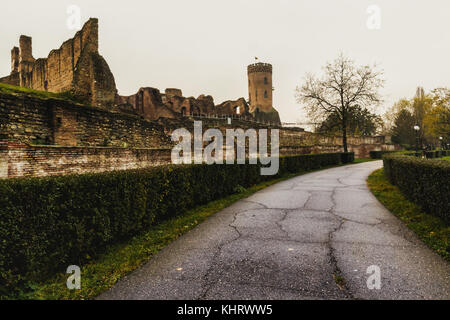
{"x":78,"y":68}
{"x":42,"y":137}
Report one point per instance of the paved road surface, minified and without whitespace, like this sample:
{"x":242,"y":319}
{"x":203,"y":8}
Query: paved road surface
{"x":288,"y":241}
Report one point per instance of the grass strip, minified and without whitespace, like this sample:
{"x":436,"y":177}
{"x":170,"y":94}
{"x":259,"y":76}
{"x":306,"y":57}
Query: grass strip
{"x":430,"y":229}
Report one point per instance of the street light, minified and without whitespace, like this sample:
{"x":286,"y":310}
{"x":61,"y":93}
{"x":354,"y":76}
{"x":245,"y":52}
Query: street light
{"x":417,"y":128}
{"x":442,"y":143}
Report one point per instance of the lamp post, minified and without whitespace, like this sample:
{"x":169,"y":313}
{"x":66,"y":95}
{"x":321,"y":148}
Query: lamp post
{"x":442,"y":143}
{"x":417,"y":128}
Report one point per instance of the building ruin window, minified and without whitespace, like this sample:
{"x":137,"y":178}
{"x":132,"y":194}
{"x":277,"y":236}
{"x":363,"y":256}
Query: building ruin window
{"x":265,"y":80}
{"x":183,"y":111}
{"x":237,"y":110}
{"x":265,"y":94}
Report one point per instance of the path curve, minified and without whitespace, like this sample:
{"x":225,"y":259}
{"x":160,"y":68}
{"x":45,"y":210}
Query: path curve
{"x":290,"y":241}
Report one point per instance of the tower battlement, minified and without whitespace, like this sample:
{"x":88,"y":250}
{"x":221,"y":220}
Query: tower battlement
{"x":259,"y":67}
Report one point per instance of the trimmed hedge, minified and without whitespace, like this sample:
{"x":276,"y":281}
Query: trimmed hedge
{"x":425,"y":182}
{"x":431,"y":154}
{"x":49,"y":223}
{"x":378,"y":154}
{"x":436,"y":154}
{"x":347,"y":157}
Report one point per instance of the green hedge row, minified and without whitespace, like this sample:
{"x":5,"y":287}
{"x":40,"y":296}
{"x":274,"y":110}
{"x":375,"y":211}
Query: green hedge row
{"x":425,"y":182}
{"x":429,"y":154}
{"x":347,"y":157}
{"x":437,"y":154}
{"x":49,"y":223}
{"x":378,"y":154}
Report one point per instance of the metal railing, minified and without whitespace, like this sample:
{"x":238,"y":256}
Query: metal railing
{"x":238,"y":117}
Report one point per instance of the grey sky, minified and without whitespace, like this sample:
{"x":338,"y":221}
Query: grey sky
{"x":203,"y":46}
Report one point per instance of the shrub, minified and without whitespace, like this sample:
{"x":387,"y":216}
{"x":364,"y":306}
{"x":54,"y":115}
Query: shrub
{"x":49,"y":223}
{"x":425,"y":182}
{"x":436,"y":154}
{"x":430,"y":154}
{"x":378,"y":154}
{"x":347,"y":157}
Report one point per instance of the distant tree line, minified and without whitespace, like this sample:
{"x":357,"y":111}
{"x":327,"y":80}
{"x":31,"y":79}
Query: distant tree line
{"x":430,"y":112}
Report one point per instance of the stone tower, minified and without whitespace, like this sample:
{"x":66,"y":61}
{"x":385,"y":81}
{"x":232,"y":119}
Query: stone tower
{"x":260,"y":87}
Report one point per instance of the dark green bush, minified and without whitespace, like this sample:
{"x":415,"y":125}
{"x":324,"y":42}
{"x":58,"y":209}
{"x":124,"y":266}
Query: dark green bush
{"x":347,"y":157}
{"x":425,"y":182}
{"x":49,"y":223}
{"x":430,"y":154}
{"x":436,"y":154}
{"x":413,"y":154}
{"x":378,"y":154}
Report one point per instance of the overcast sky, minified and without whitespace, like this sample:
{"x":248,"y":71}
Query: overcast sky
{"x":204,"y":46}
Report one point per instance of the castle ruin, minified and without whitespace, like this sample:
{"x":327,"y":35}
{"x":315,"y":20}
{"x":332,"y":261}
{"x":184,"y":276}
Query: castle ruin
{"x":42,"y":137}
{"x":75,"y":67}
{"x":78,"y":68}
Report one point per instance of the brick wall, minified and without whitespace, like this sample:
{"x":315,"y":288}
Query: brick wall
{"x":57,"y":122}
{"x":93,"y":139}
{"x":20,"y":160}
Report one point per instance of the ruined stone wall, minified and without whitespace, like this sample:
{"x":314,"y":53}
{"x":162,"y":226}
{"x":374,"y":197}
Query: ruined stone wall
{"x":12,"y":79}
{"x":88,"y":139}
{"x":147,"y":103}
{"x":61,"y":122}
{"x":152,"y":105}
{"x":56,"y":72}
{"x":76,"y":66}
{"x":232,"y":106}
{"x":38,"y":121}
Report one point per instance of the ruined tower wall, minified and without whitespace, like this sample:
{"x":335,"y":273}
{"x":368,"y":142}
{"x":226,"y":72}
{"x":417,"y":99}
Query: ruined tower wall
{"x":26,"y":49}
{"x":15,"y":58}
{"x":260,"y":86}
{"x":76,"y":66}
{"x":56,"y":72}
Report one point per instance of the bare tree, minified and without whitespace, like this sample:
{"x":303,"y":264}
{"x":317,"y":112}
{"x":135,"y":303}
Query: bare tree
{"x":342,"y":87}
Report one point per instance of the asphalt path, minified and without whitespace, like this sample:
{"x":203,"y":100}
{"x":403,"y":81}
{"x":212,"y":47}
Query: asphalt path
{"x":322,"y":235}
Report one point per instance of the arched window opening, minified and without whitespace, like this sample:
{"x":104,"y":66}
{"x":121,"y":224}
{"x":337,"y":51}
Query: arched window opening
{"x":265,"y":94}
{"x":265,"y":80}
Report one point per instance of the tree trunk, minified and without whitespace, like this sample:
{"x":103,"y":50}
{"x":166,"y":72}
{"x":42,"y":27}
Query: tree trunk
{"x":344,"y":132}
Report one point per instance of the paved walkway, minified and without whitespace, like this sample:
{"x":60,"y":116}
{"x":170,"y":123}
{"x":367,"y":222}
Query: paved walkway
{"x":288,"y":241}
